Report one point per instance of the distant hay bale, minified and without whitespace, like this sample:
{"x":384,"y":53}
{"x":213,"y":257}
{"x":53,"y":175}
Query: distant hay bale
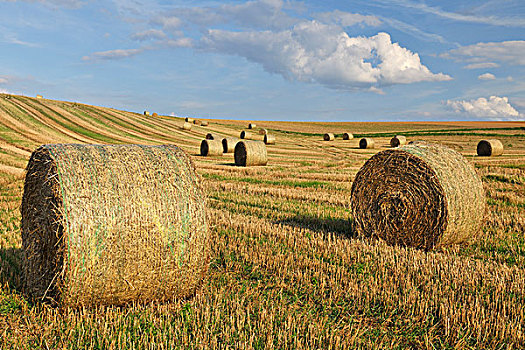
{"x":39,"y":96}
{"x":263,"y":131}
{"x":146,"y":113}
{"x":252,"y":126}
{"x":197,"y":122}
{"x":398,"y":140}
{"x":329,"y":137}
{"x":211,"y":148}
{"x":248,"y":153}
{"x":210,"y":136}
{"x":347,"y":136}
{"x":489,"y":148}
{"x":228,"y":144}
{"x":422,"y":195}
{"x":186,"y":126}
{"x":248,"y":135}
{"x":204,"y":123}
{"x":366,"y":142}
{"x":154,"y":114}
{"x":188,"y":120}
{"x":269,"y":139}
{"x":112,"y":224}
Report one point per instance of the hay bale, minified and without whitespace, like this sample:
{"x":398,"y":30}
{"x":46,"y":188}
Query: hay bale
{"x":197,"y":122}
{"x":263,"y":131}
{"x":252,"y":126}
{"x":366,"y":142}
{"x":204,"y":123}
{"x":112,"y":224}
{"x":186,"y":126}
{"x":248,"y":135}
{"x":398,"y":140}
{"x":248,"y":153}
{"x":348,"y":136}
{"x":420,"y":195}
{"x":211,"y":148}
{"x":39,"y":97}
{"x":228,"y":144}
{"x":146,"y":113}
{"x":154,"y":114}
{"x":269,"y":139}
{"x":210,"y":136}
{"x":490,"y":148}
{"x":329,"y":137}
{"x":188,"y":120}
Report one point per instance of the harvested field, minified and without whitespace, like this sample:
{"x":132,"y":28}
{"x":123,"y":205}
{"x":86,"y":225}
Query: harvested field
{"x":286,"y":268}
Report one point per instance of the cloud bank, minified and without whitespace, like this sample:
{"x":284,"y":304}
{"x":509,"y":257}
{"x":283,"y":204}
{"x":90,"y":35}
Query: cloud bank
{"x":486,"y":55}
{"x":494,"y":108}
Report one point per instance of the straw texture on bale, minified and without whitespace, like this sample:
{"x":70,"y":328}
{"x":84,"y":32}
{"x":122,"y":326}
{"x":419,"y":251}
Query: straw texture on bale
{"x":197,"y":122}
{"x":188,"y":120}
{"x":248,"y":153}
{"x":252,"y":126}
{"x":422,"y":195}
{"x":210,"y":136}
{"x":211,"y":148}
{"x":347,"y":136}
{"x":112,"y":224}
{"x":186,"y":126}
{"x":329,"y":137}
{"x":269,"y":139}
{"x":398,"y":140}
{"x":366,"y":143}
{"x":490,"y":148}
{"x":263,"y":131}
{"x":248,"y":135}
{"x":228,"y":144}
{"x":204,"y":123}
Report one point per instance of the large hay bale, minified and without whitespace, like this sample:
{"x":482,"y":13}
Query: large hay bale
{"x":155,"y":114}
{"x":252,"y":126}
{"x":211,"y":148}
{"x":329,"y":137}
{"x":210,"y":136}
{"x":398,"y":140}
{"x":366,"y":142}
{"x":419,"y":195}
{"x":188,"y":120}
{"x":269,"y":139}
{"x":228,"y":144}
{"x":186,"y":126}
{"x":112,"y":224}
{"x":347,"y":136}
{"x":248,"y":135}
{"x":204,"y":123}
{"x":490,"y":148}
{"x":146,"y":113}
{"x":197,"y":122}
{"x":248,"y":153}
{"x":263,"y":131}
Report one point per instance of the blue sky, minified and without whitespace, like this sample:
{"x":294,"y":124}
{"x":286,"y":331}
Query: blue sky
{"x":376,"y":60}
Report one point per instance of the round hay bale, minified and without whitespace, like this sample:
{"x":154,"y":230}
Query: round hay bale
{"x":329,"y":137}
{"x":211,"y":148}
{"x":197,"y":122}
{"x":347,"y":136}
{"x":112,"y":224}
{"x":246,"y":135}
{"x":489,"y":148}
{"x":154,"y":114}
{"x":366,"y":142}
{"x":398,"y":140}
{"x":228,"y":144}
{"x":252,"y":126}
{"x":204,"y":123}
{"x":422,"y":195}
{"x":263,"y":131}
{"x":146,"y":113}
{"x":248,"y":153}
{"x":186,"y":126}
{"x":188,"y":120}
{"x":269,"y":139}
{"x":210,"y":136}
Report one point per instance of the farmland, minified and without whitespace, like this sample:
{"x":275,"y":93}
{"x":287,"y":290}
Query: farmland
{"x":286,"y":268}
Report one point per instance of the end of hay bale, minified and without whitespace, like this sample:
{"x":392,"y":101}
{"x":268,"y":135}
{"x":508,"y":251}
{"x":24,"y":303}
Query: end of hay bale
{"x":366,"y":143}
{"x":250,"y":153}
{"x":263,"y":131}
{"x":488,"y":148}
{"x":98,"y":228}
{"x":211,"y":148}
{"x":246,"y":135}
{"x":398,"y":140}
{"x":228,"y":144}
{"x":39,"y":97}
{"x":188,"y":120}
{"x":269,"y":139}
{"x":146,"y":113}
{"x":186,"y":126}
{"x":154,"y":114}
{"x":424,"y":196}
{"x":347,"y":136}
{"x":252,"y":126}
{"x":210,"y":136}
{"x":197,"y":122}
{"x":328,"y":136}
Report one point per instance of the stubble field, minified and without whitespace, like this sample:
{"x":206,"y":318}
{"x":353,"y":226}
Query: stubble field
{"x":286,"y":268}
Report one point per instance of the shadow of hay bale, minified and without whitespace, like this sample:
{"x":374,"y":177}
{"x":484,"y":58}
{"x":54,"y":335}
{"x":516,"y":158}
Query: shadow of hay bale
{"x":10,"y":267}
{"x":337,"y":226}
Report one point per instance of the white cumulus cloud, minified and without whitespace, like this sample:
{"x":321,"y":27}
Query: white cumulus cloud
{"x":112,"y":54}
{"x":316,"y":52}
{"x":496,"y":108}
{"x":487,"y":76}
